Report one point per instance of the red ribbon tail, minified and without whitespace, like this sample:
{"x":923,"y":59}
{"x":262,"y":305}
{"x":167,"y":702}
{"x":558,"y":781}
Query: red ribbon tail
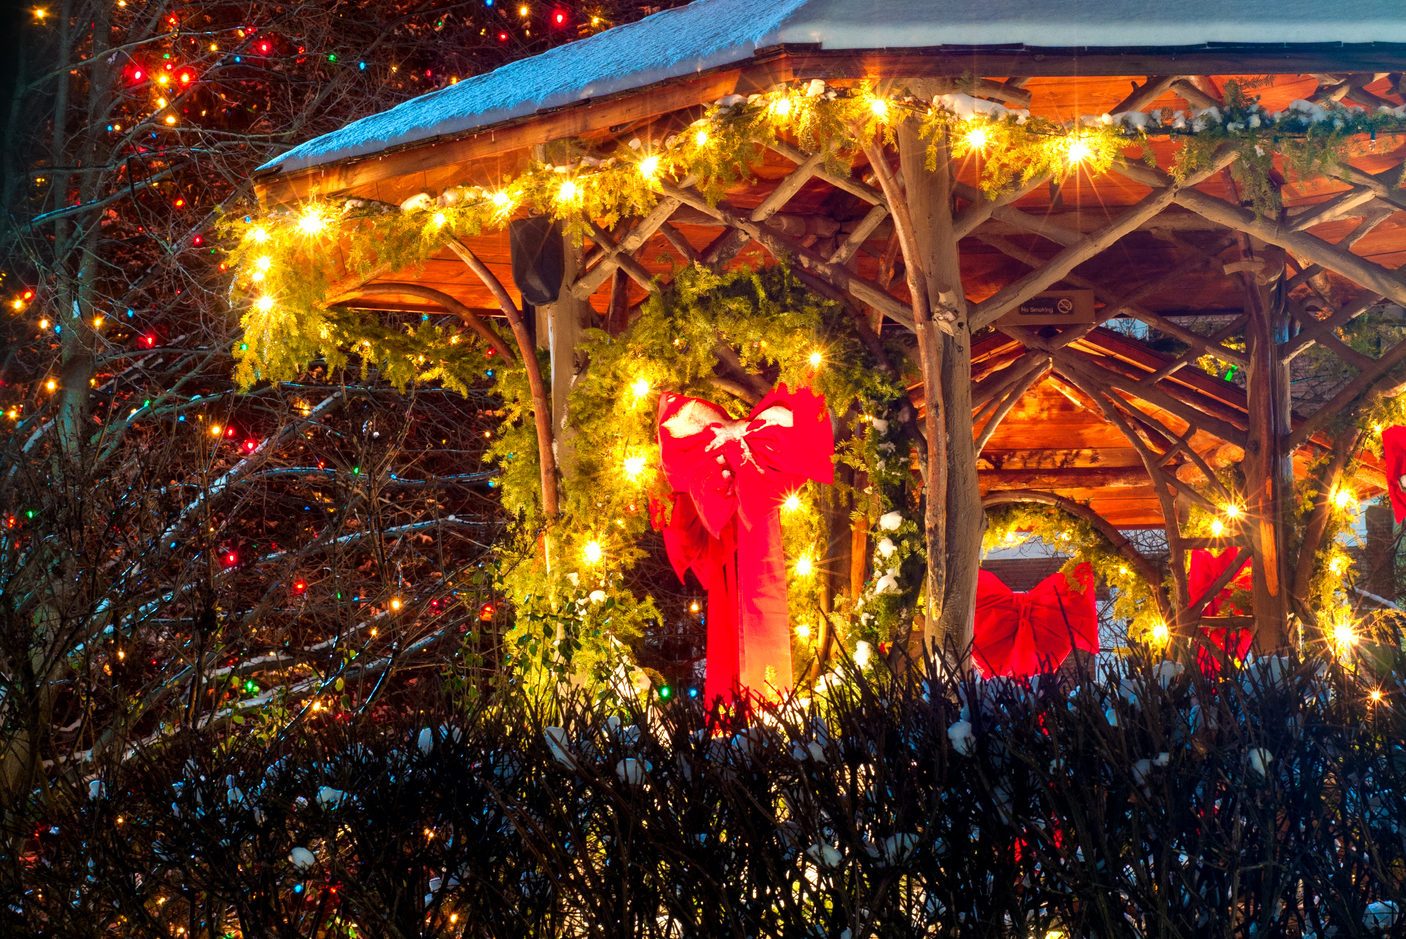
{"x":724,"y":640}
{"x":763,"y":619}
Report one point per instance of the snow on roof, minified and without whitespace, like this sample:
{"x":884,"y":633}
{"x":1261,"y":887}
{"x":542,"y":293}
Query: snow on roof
{"x":711,"y":33}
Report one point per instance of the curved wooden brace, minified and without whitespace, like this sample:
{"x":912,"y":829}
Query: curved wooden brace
{"x":541,"y":403}
{"x":450,"y":305}
{"x":1120,"y":544}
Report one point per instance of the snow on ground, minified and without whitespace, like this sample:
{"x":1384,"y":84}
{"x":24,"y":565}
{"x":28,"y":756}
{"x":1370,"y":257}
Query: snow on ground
{"x":711,"y":33}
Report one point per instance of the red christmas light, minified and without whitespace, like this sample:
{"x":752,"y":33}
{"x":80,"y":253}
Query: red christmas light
{"x":179,"y":203}
{"x":251,"y":445}
{"x":230,"y":558}
{"x":559,"y":17}
{"x":503,"y":36}
{"x":264,"y":47}
{"x":487,"y":612}
{"x":198,"y":240}
{"x":138,"y":74}
{"x":300,"y":586}
{"x":229,"y":431}
{"x":149,"y":340}
{"x":186,"y":78}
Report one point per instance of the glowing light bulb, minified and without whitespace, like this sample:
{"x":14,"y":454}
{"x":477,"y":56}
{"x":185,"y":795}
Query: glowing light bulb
{"x":805,"y":566}
{"x":694,"y":606}
{"x":781,"y":107}
{"x":649,"y":166}
{"x":1376,"y":695}
{"x":51,"y":385}
{"x":634,"y":466}
{"x":1079,"y":151}
{"x":216,"y":430}
{"x":1217,"y":528}
{"x":977,"y":138}
{"x":701,"y":137}
{"x":396,"y":604}
{"x":1158,"y":634}
{"x":260,"y":235}
{"x":264,"y":303}
{"x":439,"y":219}
{"x":568,"y":191}
{"x":792,"y":502}
{"x":1344,"y":497}
{"x":263,"y":263}
{"x":593,"y":553}
{"x":1337,"y":563}
{"x":1344,"y":635}
{"x":1232,"y":511}
{"x":879,"y":108}
{"x":170,"y":120}
{"x":311,"y":222}
{"x":803,"y":630}
{"x":502,"y":200}
{"x":816,"y":358}
{"x":640,"y":387}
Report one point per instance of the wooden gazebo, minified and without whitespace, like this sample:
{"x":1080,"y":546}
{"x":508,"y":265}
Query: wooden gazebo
{"x":1109,"y":412}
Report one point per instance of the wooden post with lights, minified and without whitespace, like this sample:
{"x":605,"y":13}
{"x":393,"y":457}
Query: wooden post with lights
{"x":1269,"y":479}
{"x":563,"y":320}
{"x":953,"y":518}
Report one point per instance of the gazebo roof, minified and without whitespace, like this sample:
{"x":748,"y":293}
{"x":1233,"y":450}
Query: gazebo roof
{"x":708,"y":34}
{"x":1179,"y":273}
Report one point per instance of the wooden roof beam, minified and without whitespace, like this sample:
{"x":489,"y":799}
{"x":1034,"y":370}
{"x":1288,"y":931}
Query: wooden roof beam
{"x":780,"y":245}
{"x":1114,"y":304}
{"x":1357,"y":269}
{"x":1060,"y":266}
{"x":1104,"y":377}
{"x":1367,"y":382}
{"x":726,"y":245}
{"x":607,"y":260}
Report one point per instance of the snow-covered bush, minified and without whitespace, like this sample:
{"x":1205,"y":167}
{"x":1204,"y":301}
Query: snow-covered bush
{"x":1151,"y":801}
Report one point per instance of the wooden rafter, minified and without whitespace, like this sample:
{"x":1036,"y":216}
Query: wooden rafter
{"x":1357,"y":269}
{"x":783,"y":246}
{"x":1164,"y":192}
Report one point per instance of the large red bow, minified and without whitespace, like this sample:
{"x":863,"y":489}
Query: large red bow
{"x":1021,"y":634}
{"x":729,"y":478}
{"x":1394,"y":454}
{"x":1206,"y":568}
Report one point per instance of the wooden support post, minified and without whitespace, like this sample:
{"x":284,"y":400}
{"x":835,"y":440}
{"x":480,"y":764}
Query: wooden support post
{"x":1269,"y":472}
{"x":559,"y":330}
{"x":955,"y":518}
